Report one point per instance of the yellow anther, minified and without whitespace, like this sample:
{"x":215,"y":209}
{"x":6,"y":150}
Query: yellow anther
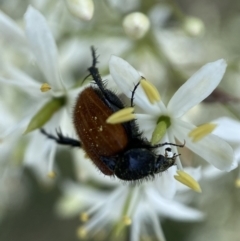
{"x":127,"y":221}
{"x":121,"y":116}
{"x":150,"y":91}
{"x":187,"y":180}
{"x":201,"y":131}
{"x":84,"y":217}
{"x":81,"y":233}
{"x":51,"y":174}
{"x":237,"y":183}
{"x":45,"y":87}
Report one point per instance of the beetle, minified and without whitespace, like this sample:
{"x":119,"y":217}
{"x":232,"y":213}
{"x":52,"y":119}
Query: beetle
{"x":118,"y":150}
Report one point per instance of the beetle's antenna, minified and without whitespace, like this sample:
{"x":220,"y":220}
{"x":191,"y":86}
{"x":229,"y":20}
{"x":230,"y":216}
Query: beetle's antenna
{"x":133,"y":93}
{"x":94,"y":57}
{"x":93,"y":70}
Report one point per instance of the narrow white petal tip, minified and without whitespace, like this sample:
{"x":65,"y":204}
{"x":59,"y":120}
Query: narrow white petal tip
{"x":220,"y":64}
{"x":199,"y":86}
{"x":124,"y":75}
{"x":116,"y":60}
{"x":116,"y":64}
{"x":30,"y":10}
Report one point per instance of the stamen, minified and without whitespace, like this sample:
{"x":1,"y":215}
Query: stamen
{"x":237,"y":183}
{"x":201,"y":131}
{"x":45,"y":87}
{"x":84,"y":217}
{"x":187,"y":180}
{"x":127,"y":220}
{"x":52,"y":174}
{"x":81,"y":233}
{"x":121,"y":116}
{"x":150,"y":91}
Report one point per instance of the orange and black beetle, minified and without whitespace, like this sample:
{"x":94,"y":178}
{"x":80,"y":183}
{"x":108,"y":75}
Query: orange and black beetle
{"x":118,"y":149}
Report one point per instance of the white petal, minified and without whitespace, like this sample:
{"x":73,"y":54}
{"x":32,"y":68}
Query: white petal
{"x":10,"y":32}
{"x":154,"y":220}
{"x":126,"y":77}
{"x":228,"y":129}
{"x":76,"y":199}
{"x":43,"y":47}
{"x":211,"y":148}
{"x":37,"y":156}
{"x":172,"y":209}
{"x":23,"y":81}
{"x":197,"y":88}
{"x":146,"y":123}
{"x":165,"y":184}
{"x":136,"y":226}
{"x":85,"y":170}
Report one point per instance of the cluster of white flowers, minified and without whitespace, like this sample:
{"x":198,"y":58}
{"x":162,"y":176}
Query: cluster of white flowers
{"x":42,"y":81}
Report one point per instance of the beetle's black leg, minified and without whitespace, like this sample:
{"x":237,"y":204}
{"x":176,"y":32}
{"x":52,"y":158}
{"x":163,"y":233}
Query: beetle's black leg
{"x":61,"y":139}
{"x":133,"y":93}
{"x":110,"y":98}
{"x":95,"y":73}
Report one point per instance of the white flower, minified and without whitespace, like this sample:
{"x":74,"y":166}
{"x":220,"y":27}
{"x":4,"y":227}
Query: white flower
{"x":43,"y":96}
{"x":229,"y":130}
{"x":138,"y":206}
{"x":212,"y":148}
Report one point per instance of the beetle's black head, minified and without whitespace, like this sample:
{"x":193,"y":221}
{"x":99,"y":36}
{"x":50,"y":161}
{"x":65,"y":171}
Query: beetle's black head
{"x":164,"y":162}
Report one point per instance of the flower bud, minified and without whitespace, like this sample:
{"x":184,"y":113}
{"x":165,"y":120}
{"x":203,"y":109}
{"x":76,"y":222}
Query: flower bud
{"x":82,"y":9}
{"x":194,"y":26}
{"x":136,"y":25}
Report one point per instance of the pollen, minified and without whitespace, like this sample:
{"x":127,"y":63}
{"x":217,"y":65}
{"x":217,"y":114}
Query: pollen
{"x":201,"y":131}
{"x":127,"y":220}
{"x":84,"y":217}
{"x":237,"y":183}
{"x":121,"y":116}
{"x":187,"y":180}
{"x":51,"y":174}
{"x":81,"y":233}
{"x":45,"y":87}
{"x":150,"y":91}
